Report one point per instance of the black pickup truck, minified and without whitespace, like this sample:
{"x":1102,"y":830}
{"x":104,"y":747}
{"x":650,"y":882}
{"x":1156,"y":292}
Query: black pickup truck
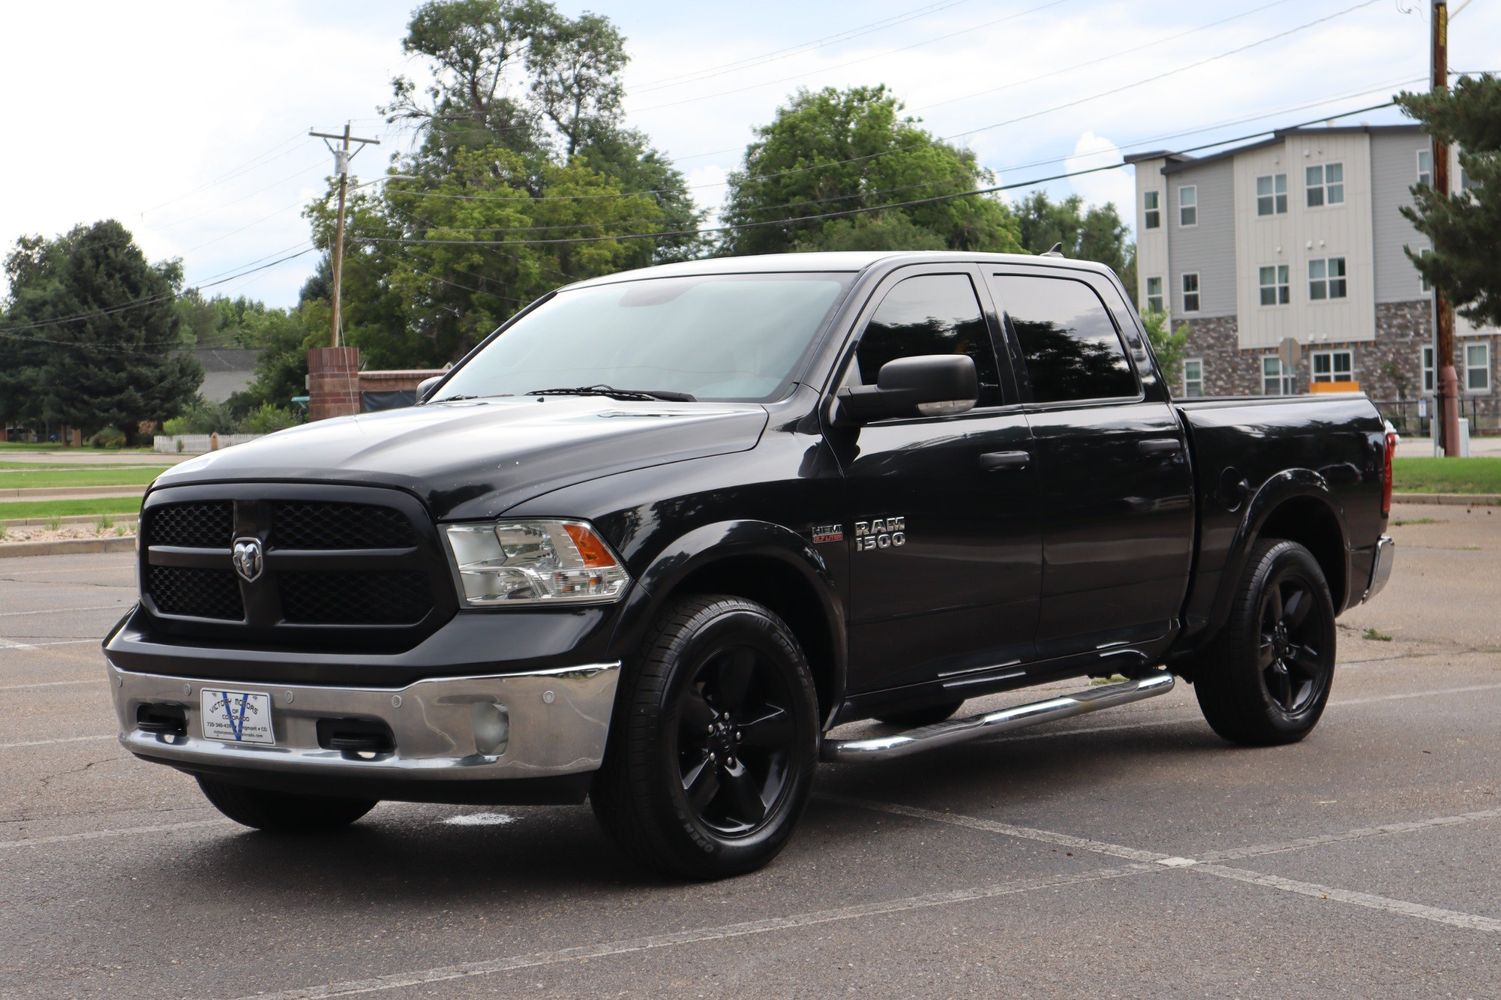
{"x":663,"y":531}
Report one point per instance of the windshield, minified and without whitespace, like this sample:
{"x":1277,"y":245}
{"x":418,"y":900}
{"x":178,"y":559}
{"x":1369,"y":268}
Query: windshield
{"x":718,"y":337}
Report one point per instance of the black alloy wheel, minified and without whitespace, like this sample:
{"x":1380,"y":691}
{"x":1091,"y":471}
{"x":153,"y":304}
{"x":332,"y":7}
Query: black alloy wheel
{"x":1267,"y":677}
{"x":713,"y":743}
{"x":735,"y":740}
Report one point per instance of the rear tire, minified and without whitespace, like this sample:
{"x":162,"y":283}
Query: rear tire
{"x":932,"y":715}
{"x":714,"y":743}
{"x":1267,"y":678}
{"x":283,"y":812}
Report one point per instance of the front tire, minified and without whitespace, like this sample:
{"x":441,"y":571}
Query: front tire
{"x":715,"y":740}
{"x":283,"y":812}
{"x":1267,"y":679}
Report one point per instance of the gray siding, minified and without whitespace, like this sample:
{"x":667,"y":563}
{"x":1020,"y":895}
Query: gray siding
{"x":1394,"y":169}
{"x":1208,"y":248}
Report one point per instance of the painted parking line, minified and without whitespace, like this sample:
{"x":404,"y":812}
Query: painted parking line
{"x":54,"y":742}
{"x":72,"y":838}
{"x":63,"y":611}
{"x":18,"y":645}
{"x":1401,"y":907}
{"x":50,"y":684}
{"x":1359,"y":833}
{"x":627,"y":946}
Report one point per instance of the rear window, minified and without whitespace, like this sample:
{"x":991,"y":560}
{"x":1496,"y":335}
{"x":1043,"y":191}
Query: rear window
{"x":1068,"y":341}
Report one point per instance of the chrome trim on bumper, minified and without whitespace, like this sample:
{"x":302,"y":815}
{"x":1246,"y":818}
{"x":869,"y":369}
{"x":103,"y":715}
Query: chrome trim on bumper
{"x":1381,"y":567}
{"x":1005,"y":720}
{"x":445,"y":728}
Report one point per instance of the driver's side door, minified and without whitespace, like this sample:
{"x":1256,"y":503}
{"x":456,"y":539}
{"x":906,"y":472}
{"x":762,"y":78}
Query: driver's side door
{"x":940,"y":512}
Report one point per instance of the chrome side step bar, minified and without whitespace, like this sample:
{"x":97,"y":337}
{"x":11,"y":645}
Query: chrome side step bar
{"x":1005,"y":720}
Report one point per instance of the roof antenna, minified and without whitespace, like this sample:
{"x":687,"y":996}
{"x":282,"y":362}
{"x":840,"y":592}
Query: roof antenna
{"x":1056,"y":251}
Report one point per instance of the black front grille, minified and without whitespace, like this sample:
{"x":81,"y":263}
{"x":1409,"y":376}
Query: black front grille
{"x":197,"y":593}
{"x":314,"y":525}
{"x":371,"y":598}
{"x":192,"y":525}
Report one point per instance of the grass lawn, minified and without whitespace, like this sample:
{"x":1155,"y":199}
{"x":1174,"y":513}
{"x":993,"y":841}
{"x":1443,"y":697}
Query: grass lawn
{"x":36,"y":509}
{"x":1447,"y":475}
{"x":102,"y":475}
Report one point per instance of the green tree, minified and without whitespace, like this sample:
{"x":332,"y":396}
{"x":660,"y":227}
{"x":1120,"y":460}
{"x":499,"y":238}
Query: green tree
{"x":485,"y":219}
{"x":95,"y":331}
{"x":1168,"y":345}
{"x":1094,"y":234}
{"x":840,"y":150}
{"x":1462,"y":227}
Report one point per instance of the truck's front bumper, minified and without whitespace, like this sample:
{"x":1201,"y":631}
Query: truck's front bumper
{"x":444,"y":732}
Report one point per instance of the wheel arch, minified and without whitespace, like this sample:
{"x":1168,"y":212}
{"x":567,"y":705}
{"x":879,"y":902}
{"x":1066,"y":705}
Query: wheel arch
{"x":762,"y":562}
{"x":1299,"y":506}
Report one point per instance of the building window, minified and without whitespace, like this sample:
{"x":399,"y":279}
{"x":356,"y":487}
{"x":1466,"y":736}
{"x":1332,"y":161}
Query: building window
{"x":1193,"y":377}
{"x":1274,"y":285}
{"x":1154,"y":295}
{"x":1326,"y":278}
{"x":1325,"y":184}
{"x":1271,"y":194}
{"x":1191,"y":292}
{"x":1272,"y":381}
{"x":1466,"y":183}
{"x":1188,"y":206}
{"x":1425,"y":167}
{"x":1478,"y":367}
{"x":1426,"y":362}
{"x":1151,"y":210}
{"x":1333,"y":366}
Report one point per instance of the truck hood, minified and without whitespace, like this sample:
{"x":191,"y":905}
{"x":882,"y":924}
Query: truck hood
{"x":478,"y":458}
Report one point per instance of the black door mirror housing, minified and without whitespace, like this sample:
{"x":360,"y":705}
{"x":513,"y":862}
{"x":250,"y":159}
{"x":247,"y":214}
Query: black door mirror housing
{"x":928,"y":385}
{"x":426,"y":386}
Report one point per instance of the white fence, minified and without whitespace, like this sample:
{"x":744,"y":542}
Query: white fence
{"x":196,"y":444}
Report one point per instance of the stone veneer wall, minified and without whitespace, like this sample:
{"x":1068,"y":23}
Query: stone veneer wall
{"x":1387,"y":368}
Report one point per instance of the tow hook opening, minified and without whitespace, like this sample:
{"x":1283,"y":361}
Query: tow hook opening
{"x":356,"y":739}
{"x":167,"y":722}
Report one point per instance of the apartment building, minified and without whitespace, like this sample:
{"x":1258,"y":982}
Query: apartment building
{"x":1300,"y":235}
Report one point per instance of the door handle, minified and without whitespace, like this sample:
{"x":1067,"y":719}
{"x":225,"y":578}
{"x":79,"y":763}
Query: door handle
{"x":1159,"y":446}
{"x":993,"y":461}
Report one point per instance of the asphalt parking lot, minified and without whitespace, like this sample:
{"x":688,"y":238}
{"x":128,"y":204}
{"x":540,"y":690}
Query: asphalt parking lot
{"x":1128,"y":853}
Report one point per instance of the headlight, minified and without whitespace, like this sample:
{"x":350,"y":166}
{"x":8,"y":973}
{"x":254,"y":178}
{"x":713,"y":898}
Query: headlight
{"x":534,"y":562}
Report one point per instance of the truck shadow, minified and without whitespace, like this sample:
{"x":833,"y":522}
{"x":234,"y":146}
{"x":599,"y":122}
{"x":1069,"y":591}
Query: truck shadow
{"x":411,"y":854}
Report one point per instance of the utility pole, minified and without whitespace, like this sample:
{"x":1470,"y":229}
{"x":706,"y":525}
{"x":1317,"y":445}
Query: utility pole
{"x":342,"y":156}
{"x":1447,"y":385}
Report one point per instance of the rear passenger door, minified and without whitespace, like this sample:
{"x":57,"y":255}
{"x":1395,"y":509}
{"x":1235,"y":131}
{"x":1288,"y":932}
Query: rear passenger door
{"x":1116,"y":491}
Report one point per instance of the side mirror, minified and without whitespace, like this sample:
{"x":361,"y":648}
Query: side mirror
{"x":426,"y":386}
{"x":928,"y":385}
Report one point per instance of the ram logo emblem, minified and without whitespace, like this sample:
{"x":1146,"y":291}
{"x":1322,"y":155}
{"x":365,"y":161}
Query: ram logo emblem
{"x":880,"y":533}
{"x":248,"y":559}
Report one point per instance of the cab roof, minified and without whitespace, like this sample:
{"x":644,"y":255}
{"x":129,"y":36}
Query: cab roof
{"x":849,"y":262}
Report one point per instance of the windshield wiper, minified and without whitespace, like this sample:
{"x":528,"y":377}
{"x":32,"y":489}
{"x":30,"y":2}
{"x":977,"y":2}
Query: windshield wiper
{"x":614,"y":393}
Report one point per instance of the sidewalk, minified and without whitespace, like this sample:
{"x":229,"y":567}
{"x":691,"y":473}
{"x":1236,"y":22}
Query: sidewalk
{"x":73,"y":492}
{"x":1421,"y":447}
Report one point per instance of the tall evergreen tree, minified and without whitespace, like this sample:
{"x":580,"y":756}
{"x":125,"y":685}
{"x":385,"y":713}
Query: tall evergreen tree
{"x":93,"y":335}
{"x":1463,"y":226}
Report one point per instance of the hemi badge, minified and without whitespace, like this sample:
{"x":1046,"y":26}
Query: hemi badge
{"x":827,"y":533}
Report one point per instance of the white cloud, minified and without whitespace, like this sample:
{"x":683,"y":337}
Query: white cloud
{"x":1105,"y":186}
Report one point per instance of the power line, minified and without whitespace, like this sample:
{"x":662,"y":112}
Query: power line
{"x":852,"y":62}
{"x":845,"y":213}
{"x":695,"y":76}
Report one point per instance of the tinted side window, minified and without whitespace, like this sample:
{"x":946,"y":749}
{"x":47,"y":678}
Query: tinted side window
{"x":1068,"y":341}
{"x":930,"y":314}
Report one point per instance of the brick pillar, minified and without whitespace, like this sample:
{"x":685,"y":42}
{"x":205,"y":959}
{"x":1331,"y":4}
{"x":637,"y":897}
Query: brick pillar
{"x":333,"y":382}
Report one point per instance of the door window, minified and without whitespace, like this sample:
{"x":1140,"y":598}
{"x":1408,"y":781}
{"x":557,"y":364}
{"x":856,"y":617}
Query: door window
{"x":930,"y":314}
{"x":1070,"y":344}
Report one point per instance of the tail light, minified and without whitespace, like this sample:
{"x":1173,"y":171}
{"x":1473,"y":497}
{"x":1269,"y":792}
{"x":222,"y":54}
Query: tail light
{"x":1386,"y":474}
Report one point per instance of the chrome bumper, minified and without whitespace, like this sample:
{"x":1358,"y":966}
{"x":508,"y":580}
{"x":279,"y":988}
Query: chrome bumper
{"x":1381,"y":566}
{"x":531,"y":725}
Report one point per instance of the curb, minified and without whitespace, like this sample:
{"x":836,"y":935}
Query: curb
{"x":1450,"y":499}
{"x":35,"y":522}
{"x":68,"y":547}
{"x":64,"y":492}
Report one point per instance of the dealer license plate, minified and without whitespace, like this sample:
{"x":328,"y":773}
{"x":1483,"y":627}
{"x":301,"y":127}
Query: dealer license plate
{"x":237,"y":716}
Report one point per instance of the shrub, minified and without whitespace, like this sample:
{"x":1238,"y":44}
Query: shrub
{"x":201,"y":417}
{"x":110,"y":437}
{"x":268,"y":418}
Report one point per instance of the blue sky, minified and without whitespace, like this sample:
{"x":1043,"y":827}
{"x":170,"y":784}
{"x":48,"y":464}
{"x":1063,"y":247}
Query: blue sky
{"x":188,"y":124}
